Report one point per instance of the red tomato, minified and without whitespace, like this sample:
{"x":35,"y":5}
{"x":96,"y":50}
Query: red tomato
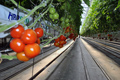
{"x":105,"y":30}
{"x":70,"y":29}
{"x":62,"y":38}
{"x":38,"y":41}
{"x":39,"y":32}
{"x":22,"y":57}
{"x":63,"y":28}
{"x":111,"y":35}
{"x":71,"y":35}
{"x":29,"y":36}
{"x":32,"y":50}
{"x":56,"y":44}
{"x":65,"y":42}
{"x":108,"y":35}
{"x":99,"y":35}
{"x":60,"y":46}
{"x":57,"y":40}
{"x":62,"y":42}
{"x":17,"y":45}
{"x":17,"y":32}
{"x":74,"y":38}
{"x":67,"y":30}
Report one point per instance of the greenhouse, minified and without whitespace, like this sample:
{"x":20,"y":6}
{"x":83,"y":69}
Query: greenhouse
{"x":59,"y":40}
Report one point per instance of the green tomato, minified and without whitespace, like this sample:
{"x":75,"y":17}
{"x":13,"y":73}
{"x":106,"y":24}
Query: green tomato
{"x":63,"y":23}
{"x":69,"y":16}
{"x":62,"y":7}
{"x":67,"y":24}
{"x":53,"y":20}
{"x":61,"y":19}
{"x":72,"y":20}
{"x":66,"y":20}
{"x":52,"y":10}
{"x":56,"y":22}
{"x":55,"y":16}
{"x":64,"y":4}
{"x":51,"y":16}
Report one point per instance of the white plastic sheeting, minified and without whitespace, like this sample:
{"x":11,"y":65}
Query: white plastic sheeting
{"x":8,"y":16}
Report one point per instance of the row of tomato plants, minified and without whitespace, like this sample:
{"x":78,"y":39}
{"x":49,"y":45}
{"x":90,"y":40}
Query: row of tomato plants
{"x":103,"y":17}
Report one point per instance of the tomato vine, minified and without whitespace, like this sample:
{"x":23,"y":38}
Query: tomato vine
{"x":70,"y":10}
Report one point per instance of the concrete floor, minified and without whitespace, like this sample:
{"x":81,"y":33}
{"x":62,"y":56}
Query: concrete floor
{"x":78,"y":65}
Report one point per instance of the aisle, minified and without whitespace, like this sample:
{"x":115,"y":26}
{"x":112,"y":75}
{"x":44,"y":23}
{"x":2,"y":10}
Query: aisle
{"x":78,"y":65}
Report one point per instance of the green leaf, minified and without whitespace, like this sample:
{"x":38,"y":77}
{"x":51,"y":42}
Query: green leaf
{"x":118,"y":5}
{"x":8,"y":57}
{"x":87,"y":2}
{"x":68,"y":5}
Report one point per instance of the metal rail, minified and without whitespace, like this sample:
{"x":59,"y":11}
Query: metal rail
{"x":107,"y":51}
{"x":108,"y":46}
